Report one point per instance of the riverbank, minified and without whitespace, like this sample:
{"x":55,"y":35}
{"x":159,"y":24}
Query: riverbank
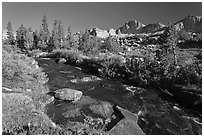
{"x":159,"y":113}
{"x":142,"y":71}
{"x":24,"y":97}
{"x":25,"y":92}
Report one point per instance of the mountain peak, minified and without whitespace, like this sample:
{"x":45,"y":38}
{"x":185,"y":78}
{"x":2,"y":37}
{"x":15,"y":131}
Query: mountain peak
{"x":130,"y":27}
{"x":190,"y":23}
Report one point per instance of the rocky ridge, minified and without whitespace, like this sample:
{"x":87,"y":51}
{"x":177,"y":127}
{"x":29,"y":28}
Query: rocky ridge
{"x":190,"y":23}
{"x":130,"y":27}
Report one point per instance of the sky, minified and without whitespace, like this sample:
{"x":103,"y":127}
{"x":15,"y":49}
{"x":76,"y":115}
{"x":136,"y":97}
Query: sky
{"x":103,"y":15}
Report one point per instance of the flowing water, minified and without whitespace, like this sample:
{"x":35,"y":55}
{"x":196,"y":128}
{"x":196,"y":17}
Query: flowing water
{"x":162,"y":114}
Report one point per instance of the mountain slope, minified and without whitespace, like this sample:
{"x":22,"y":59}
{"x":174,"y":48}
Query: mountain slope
{"x":150,"y":28}
{"x":190,"y":24}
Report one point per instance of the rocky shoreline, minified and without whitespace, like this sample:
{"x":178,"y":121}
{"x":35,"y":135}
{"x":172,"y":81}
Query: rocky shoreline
{"x":113,"y":119}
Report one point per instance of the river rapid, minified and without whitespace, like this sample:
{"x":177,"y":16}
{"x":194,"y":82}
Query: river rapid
{"x":159,"y":113}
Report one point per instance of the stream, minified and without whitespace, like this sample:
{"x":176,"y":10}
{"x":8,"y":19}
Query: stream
{"x":163,"y":114}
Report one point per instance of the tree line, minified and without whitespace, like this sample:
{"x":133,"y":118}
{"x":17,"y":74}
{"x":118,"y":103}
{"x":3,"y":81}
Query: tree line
{"x":46,"y":40}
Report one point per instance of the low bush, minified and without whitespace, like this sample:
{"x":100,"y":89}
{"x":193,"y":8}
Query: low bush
{"x":147,"y":69}
{"x":68,"y":54}
{"x":18,"y":68}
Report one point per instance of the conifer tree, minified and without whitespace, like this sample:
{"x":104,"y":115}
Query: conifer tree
{"x":30,"y":38}
{"x":61,"y":36}
{"x":35,"y":39}
{"x":168,"y":54}
{"x":54,"y":37}
{"x":69,"y":41}
{"x":10,"y":36}
{"x":44,"y":31}
{"x":21,"y":38}
{"x":84,"y":41}
{"x":58,"y":34}
{"x":69,"y":34}
{"x":168,"y":42}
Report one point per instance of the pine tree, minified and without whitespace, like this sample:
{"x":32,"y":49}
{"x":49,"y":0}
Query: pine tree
{"x":54,"y":37}
{"x":69,"y":34}
{"x":84,"y":41}
{"x":21,"y":38}
{"x":44,"y":31}
{"x":168,"y":54}
{"x":61,"y":36}
{"x":30,"y":38}
{"x":10,"y":35}
{"x":51,"y":44}
{"x":35,"y":39}
{"x":172,"y":41}
{"x":169,"y":42}
{"x":69,"y":40}
{"x":58,"y":34}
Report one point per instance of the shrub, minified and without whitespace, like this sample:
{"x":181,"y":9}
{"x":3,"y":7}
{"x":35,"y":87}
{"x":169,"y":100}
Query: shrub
{"x":190,"y":74}
{"x":70,"y":55}
{"x":19,"y":68}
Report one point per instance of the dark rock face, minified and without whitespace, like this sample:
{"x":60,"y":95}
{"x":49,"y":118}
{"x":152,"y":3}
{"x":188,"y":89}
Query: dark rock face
{"x":68,"y":94}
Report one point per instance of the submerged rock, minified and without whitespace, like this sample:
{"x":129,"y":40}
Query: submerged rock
{"x":68,"y":94}
{"x":104,"y":109}
{"x":85,"y":100}
{"x":72,"y":113}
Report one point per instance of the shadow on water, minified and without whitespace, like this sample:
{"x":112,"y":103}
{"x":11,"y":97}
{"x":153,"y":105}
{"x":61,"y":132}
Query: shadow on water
{"x":159,"y":113}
